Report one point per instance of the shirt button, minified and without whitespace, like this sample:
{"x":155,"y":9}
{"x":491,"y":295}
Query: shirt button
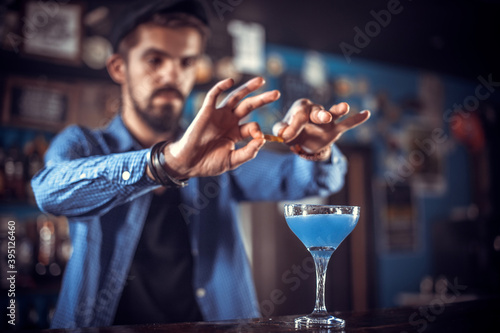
{"x":335,"y":160}
{"x":200,"y":292}
{"x":126,"y":175}
{"x":194,"y":252}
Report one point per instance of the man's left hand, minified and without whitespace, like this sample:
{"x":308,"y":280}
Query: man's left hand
{"x":314,"y":128}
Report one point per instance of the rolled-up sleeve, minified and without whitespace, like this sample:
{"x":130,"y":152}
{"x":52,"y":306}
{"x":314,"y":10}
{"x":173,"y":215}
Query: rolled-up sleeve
{"x":79,"y":178}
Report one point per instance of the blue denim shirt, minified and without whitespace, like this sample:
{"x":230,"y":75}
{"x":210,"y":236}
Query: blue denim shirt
{"x":97,"y":179}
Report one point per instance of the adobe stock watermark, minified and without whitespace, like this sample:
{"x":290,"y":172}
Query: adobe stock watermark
{"x":11,"y":272}
{"x":92,"y":308}
{"x":292,"y":277}
{"x":39,"y":18}
{"x":208,"y":189}
{"x":428,"y":146}
{"x":221,"y":7}
{"x":204,"y":194}
{"x":372,"y":29}
{"x":424,"y":315}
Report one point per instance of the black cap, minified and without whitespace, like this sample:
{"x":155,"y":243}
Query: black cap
{"x":137,"y":13}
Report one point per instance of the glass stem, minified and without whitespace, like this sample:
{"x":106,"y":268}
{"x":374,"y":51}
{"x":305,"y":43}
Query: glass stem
{"x":321,"y":259}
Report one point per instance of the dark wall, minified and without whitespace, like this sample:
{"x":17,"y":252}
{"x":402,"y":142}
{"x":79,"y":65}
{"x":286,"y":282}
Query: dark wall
{"x":453,"y":37}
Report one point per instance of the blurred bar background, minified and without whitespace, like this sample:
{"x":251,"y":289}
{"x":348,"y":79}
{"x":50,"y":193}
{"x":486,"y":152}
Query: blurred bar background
{"x":424,"y":168}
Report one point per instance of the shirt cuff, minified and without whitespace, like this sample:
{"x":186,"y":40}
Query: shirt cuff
{"x":130,"y":169}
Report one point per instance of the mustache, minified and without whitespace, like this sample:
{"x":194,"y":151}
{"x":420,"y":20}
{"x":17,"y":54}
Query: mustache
{"x":172,"y":89}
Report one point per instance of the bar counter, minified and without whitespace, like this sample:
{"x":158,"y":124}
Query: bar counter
{"x":471,"y":316}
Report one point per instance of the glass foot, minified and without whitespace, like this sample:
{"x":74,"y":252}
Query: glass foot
{"x":326,"y":321}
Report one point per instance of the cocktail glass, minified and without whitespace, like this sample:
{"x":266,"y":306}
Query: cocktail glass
{"x":321,"y":228}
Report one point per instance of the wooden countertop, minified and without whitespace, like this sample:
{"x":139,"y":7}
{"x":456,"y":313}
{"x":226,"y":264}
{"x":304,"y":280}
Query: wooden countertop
{"x":438,"y":316}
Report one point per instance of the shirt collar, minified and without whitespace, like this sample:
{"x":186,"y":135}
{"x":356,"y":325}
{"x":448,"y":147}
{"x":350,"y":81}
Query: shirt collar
{"x":123,"y":139}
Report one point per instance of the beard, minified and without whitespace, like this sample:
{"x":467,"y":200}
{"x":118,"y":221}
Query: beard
{"x":165,"y":118}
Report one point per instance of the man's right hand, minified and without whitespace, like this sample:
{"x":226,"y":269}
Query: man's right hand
{"x":207,"y":148}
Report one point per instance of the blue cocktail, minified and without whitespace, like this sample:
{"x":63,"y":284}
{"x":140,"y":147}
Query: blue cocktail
{"x":321,"y":228}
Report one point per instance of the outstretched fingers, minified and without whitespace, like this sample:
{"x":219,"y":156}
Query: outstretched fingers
{"x":255,"y":102}
{"x":214,"y":93}
{"x":320,"y":116}
{"x":339,"y":110}
{"x":353,"y":121}
{"x":239,"y":93}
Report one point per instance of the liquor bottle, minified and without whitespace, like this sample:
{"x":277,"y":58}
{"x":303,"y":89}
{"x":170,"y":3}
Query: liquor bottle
{"x":9,"y":171}
{"x":14,"y":175}
{"x":46,"y":247}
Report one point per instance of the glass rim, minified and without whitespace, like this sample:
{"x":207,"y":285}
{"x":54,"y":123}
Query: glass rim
{"x":293,"y":209}
{"x":320,"y":205}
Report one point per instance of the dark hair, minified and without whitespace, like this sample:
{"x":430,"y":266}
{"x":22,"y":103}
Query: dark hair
{"x":168,"y":20}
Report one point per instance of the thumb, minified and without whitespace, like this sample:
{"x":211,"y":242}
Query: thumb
{"x":246,"y":153}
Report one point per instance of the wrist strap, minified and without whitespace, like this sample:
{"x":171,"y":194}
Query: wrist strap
{"x":156,"y":160}
{"x":318,"y":156}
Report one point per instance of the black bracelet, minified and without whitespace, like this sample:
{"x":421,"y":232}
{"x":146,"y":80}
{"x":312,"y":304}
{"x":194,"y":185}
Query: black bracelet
{"x":151,"y":167}
{"x":159,"y":162}
{"x":155,"y":162}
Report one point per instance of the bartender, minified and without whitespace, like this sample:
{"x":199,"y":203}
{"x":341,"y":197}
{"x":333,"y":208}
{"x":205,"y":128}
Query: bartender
{"x":152,"y":207}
